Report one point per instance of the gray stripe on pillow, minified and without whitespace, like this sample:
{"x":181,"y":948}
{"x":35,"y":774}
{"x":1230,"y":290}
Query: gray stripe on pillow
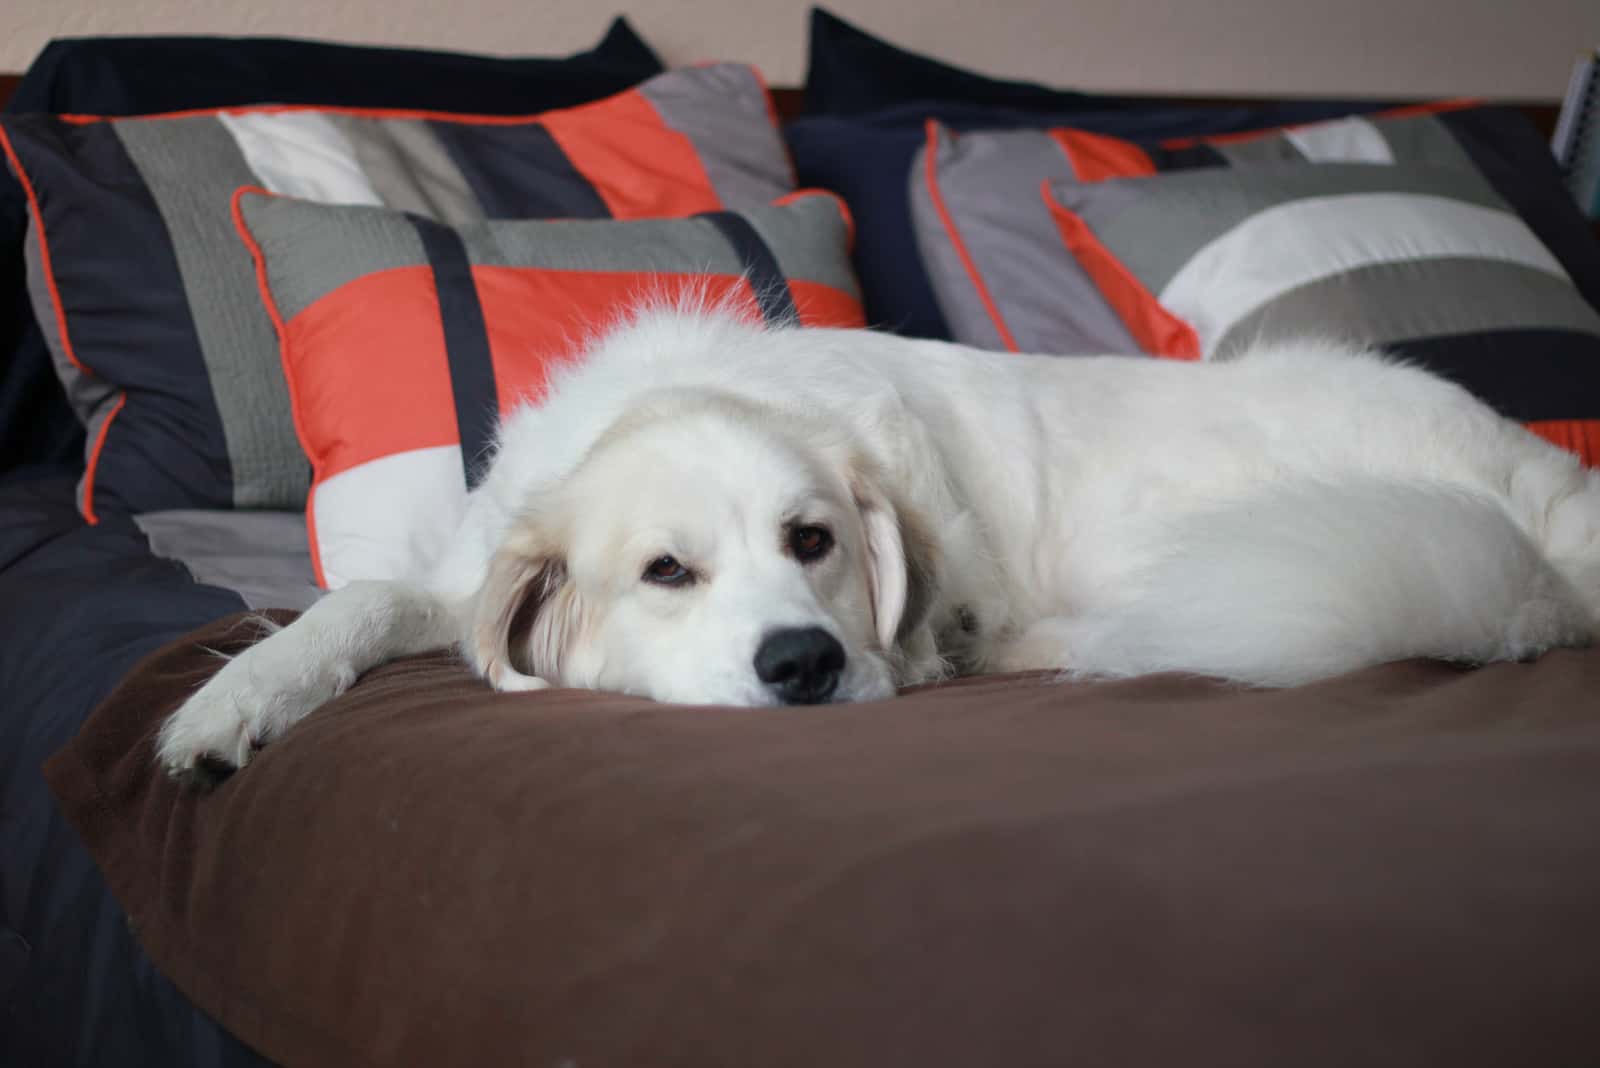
{"x":634,"y":246}
{"x":1260,"y":152}
{"x":1181,"y":212}
{"x":1422,"y":140}
{"x":786,"y":231}
{"x":1415,"y":140}
{"x":313,"y":249}
{"x":409,"y":169}
{"x":1391,"y":302}
{"x":991,"y":183}
{"x":220,"y":285}
{"x":724,"y":110}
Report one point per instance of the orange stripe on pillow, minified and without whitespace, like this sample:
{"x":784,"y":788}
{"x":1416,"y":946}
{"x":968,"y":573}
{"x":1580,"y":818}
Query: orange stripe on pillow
{"x":390,"y":363}
{"x":653,"y":171}
{"x":931,"y":177}
{"x":823,"y":305}
{"x":1096,"y":157}
{"x":1157,"y":330}
{"x":1581,"y":436}
{"x":524,"y":345}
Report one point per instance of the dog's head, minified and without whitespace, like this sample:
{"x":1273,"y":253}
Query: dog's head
{"x":708,"y":550}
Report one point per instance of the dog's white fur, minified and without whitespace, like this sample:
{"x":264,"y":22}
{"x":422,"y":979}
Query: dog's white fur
{"x":1303,"y":510}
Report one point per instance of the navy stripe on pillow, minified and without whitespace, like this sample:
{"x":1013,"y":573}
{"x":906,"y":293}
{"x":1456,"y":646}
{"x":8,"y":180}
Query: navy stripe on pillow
{"x":173,"y":452}
{"x":520,"y":172}
{"x":466,"y":341}
{"x":760,"y":265}
{"x":1554,"y":375}
{"x":1199,"y":154}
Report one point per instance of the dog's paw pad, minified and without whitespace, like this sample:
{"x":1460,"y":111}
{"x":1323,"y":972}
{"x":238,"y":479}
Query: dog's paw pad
{"x":206,"y":763}
{"x":207,"y":773}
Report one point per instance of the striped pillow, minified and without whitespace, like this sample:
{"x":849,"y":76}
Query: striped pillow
{"x":402,"y":338}
{"x":979,"y":219}
{"x":148,"y":302}
{"x":1427,"y":262}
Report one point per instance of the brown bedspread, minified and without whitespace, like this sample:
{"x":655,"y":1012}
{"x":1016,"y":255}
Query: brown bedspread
{"x":1400,"y":867}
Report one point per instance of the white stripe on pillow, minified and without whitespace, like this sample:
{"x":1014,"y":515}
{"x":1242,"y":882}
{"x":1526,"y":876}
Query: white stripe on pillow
{"x":1281,"y":248}
{"x":1341,"y":141}
{"x":421,"y":496}
{"x":300,"y":154}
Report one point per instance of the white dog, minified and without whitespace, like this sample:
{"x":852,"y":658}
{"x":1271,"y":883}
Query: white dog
{"x":701,"y":510}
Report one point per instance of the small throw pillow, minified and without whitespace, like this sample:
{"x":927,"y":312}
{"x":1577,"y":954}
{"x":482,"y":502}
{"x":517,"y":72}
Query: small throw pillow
{"x":1427,"y":262}
{"x":403,"y":338}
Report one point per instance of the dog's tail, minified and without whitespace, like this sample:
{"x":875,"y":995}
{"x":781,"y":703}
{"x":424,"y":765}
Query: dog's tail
{"x":1297,"y":583}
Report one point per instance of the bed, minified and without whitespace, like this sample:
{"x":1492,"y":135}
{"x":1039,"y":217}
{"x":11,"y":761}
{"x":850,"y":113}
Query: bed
{"x":1393,"y":867}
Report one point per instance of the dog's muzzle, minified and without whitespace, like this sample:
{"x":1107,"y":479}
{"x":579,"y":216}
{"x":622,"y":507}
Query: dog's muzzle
{"x":801,"y":665}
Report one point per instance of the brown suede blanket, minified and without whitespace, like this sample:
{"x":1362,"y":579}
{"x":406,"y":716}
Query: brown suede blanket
{"x":1399,"y":867}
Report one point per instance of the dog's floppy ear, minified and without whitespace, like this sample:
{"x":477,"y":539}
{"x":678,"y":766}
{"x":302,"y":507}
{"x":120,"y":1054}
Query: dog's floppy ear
{"x":902,"y":557}
{"x":524,"y":614}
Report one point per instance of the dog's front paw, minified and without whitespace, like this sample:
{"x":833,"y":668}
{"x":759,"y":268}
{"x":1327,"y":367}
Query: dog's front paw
{"x":215,"y":732}
{"x":207,"y":738}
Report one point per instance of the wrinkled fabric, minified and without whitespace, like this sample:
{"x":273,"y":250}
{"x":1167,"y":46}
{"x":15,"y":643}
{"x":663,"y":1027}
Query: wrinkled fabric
{"x":1397,"y":867}
{"x":79,"y":606}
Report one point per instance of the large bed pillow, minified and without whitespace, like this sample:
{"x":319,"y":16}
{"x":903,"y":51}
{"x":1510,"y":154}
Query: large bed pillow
{"x":852,"y":72}
{"x":867,"y":101}
{"x":1429,"y":263}
{"x":403,"y":338}
{"x":149,"y":75}
{"x":146,"y":75}
{"x":147,"y":298}
{"x":1003,"y":281}
{"x":1395,"y":867}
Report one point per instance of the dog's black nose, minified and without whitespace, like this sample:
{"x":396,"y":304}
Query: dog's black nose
{"x":800,"y":664}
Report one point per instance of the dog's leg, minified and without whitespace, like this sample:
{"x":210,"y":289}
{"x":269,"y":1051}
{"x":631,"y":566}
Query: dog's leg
{"x":1044,"y":646}
{"x":1295,"y":583}
{"x":274,"y":684}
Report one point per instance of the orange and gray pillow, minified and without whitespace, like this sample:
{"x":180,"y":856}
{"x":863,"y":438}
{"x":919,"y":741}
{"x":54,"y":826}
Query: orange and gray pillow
{"x":403,"y":339}
{"x":148,"y":300}
{"x":1195,"y":249}
{"x":1427,"y":262}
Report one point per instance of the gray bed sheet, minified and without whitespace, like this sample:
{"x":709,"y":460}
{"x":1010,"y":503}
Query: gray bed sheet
{"x":264,"y":557}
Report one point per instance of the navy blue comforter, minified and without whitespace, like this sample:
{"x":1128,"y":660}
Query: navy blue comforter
{"x":79,"y":606}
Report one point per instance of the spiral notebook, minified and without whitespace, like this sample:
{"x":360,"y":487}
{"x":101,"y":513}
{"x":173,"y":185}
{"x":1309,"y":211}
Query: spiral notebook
{"x":1577,"y":138}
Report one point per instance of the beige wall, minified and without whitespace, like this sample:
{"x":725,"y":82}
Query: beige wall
{"x":1503,"y":48}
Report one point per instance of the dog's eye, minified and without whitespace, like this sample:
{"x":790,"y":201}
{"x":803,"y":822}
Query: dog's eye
{"x":666,"y":571}
{"x":809,"y":543}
